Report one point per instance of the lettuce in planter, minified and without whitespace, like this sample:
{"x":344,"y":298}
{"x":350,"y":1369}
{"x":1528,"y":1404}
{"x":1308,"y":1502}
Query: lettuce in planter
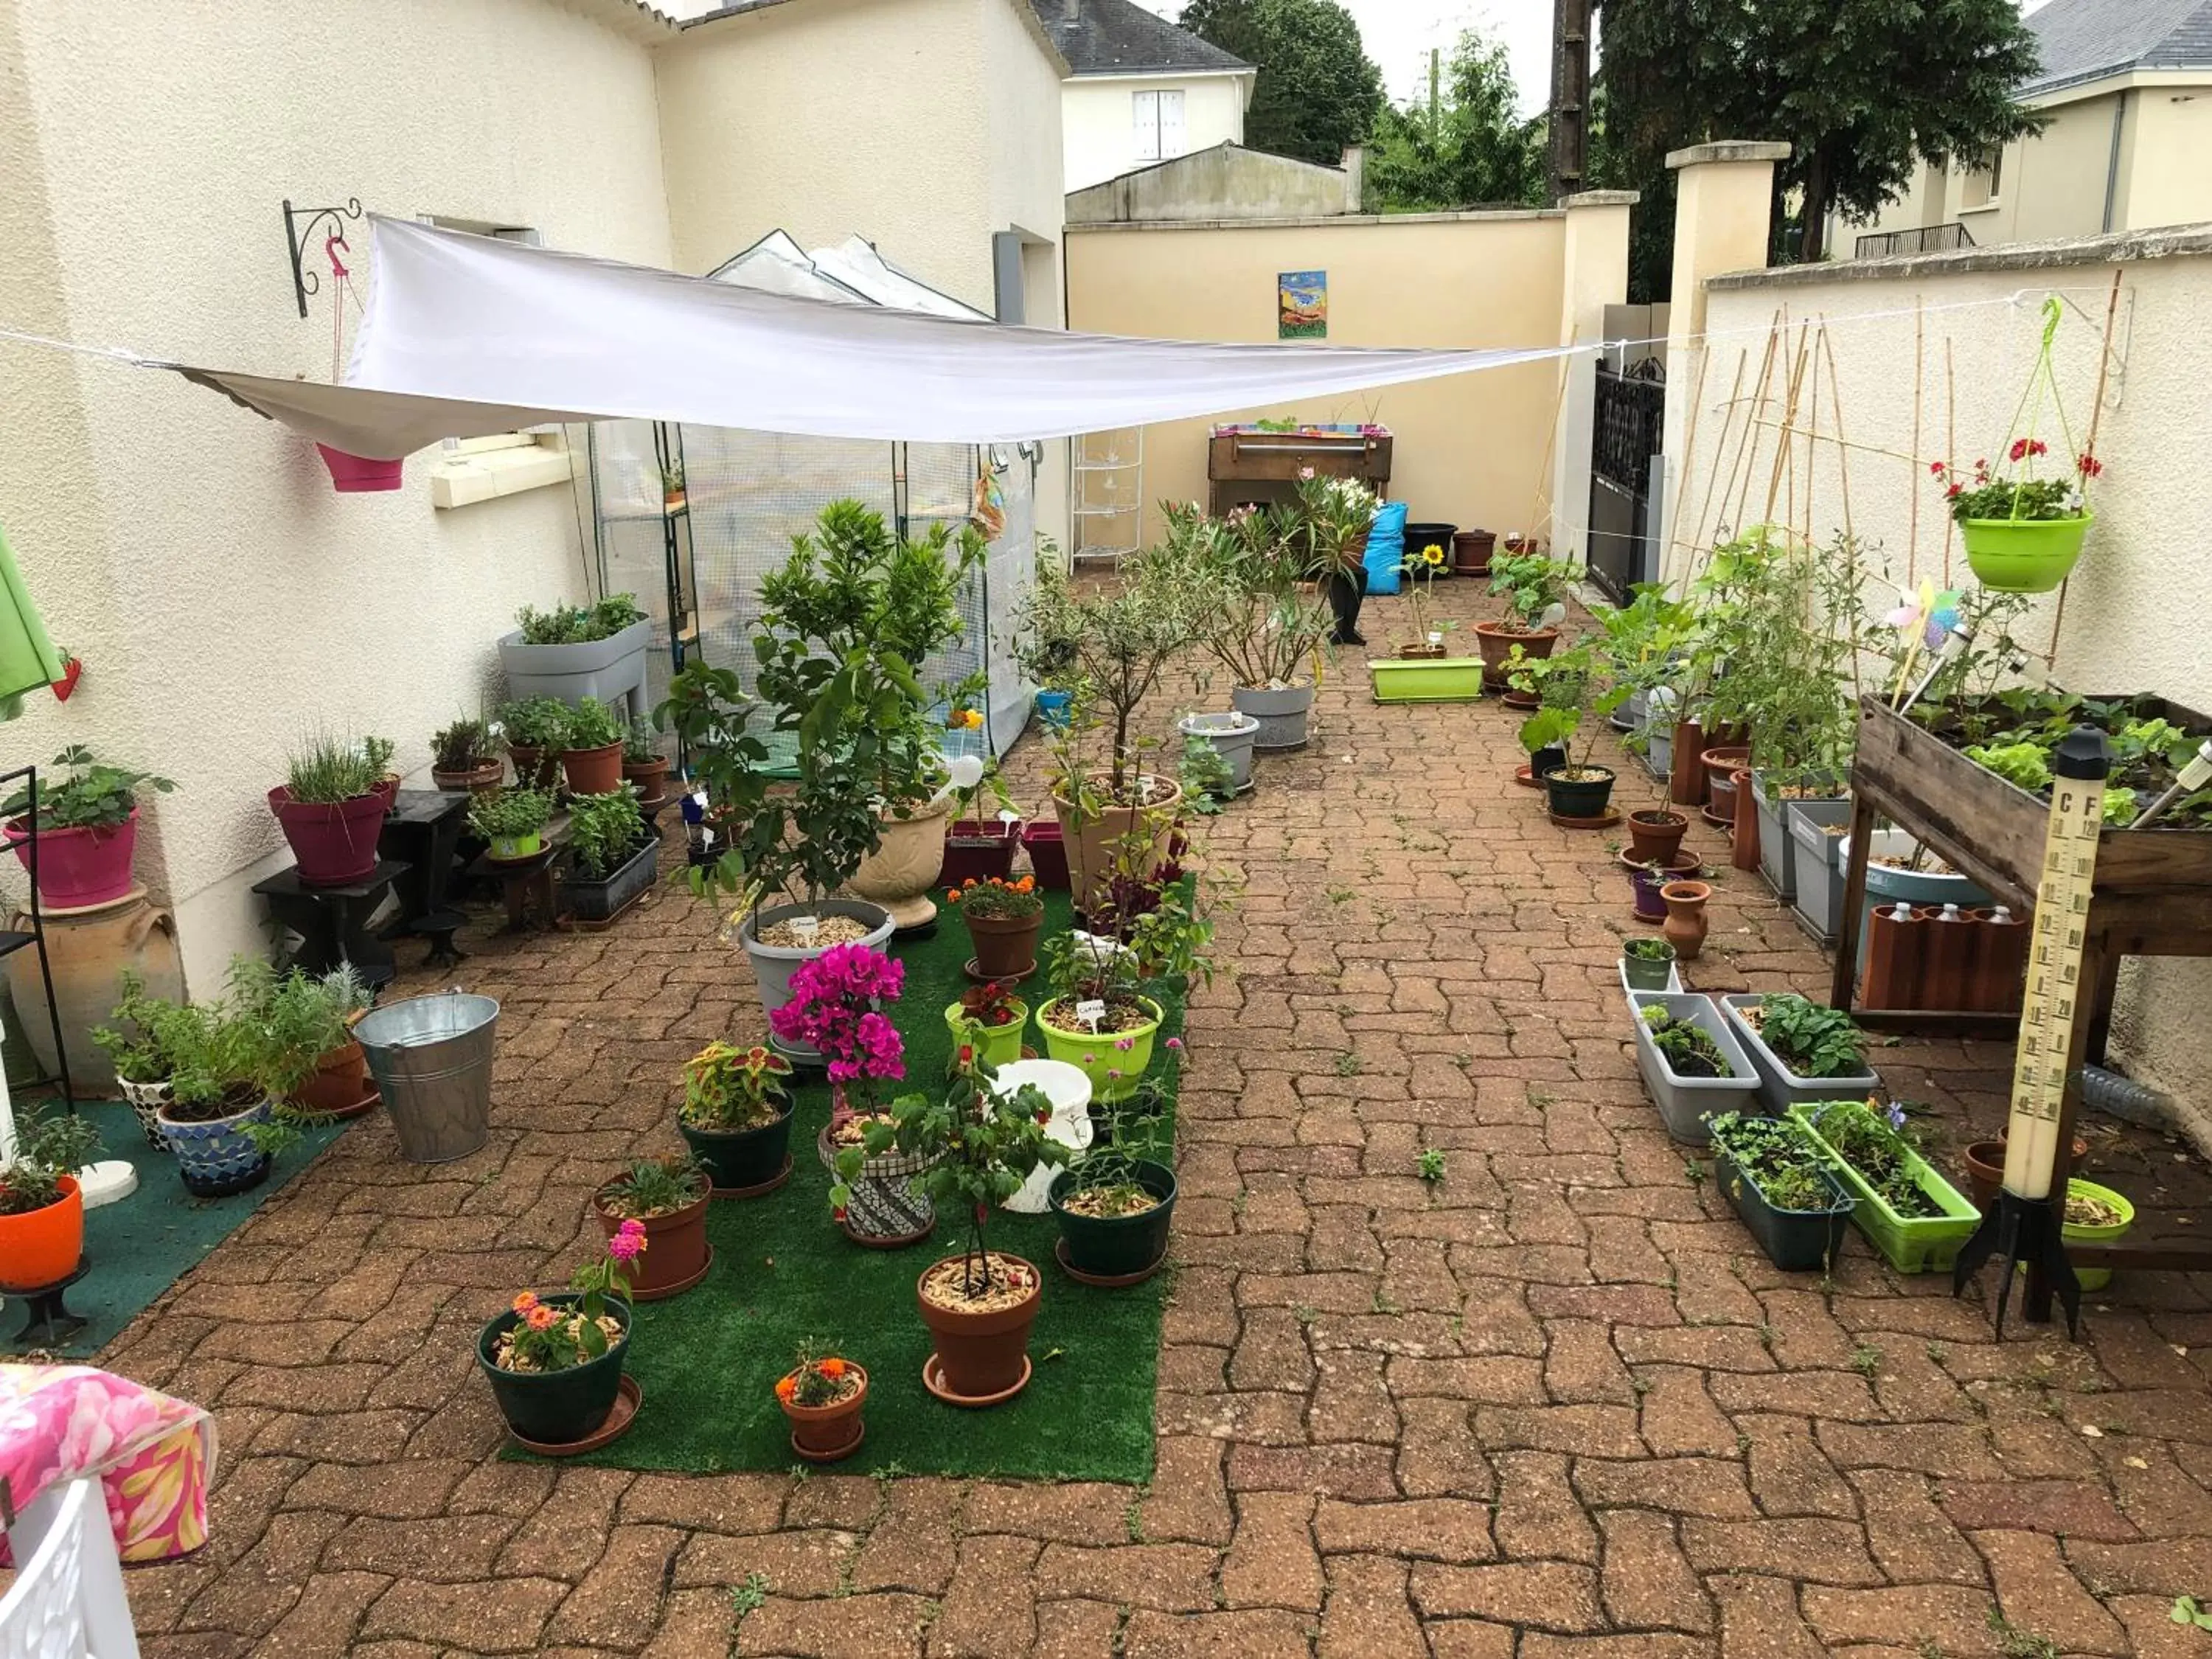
{"x":1810,"y":1040}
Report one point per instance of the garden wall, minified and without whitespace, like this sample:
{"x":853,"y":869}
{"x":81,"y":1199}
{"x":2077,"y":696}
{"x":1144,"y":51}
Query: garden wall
{"x":2134,"y":615}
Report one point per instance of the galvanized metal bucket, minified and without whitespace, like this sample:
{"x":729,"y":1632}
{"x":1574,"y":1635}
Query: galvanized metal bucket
{"x":431,"y":1057}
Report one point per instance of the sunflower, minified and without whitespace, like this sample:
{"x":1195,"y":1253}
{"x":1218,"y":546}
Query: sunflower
{"x":1433,"y":554}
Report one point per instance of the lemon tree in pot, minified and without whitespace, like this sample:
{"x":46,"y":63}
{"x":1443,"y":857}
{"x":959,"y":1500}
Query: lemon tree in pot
{"x":979,"y":1145}
{"x":736,"y":1116}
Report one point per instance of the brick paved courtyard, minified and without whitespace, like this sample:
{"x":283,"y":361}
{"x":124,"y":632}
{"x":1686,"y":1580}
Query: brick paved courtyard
{"x":1558,"y":1400}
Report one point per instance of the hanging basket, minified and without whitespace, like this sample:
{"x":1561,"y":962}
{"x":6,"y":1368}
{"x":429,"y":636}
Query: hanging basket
{"x":355,"y":474}
{"x":2024,"y":555}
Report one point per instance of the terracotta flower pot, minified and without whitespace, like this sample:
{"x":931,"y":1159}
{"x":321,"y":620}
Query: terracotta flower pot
{"x":650,"y":778}
{"x":42,"y":1248}
{"x":905,"y":865}
{"x":827,"y":1434}
{"x":593,"y":771}
{"x":1745,"y":852}
{"x":534,"y":768}
{"x":334,"y":846}
{"x":81,"y":865}
{"x":484,"y":780}
{"x":675,"y":1246}
{"x":1721,"y":765}
{"x":1495,"y":640}
{"x":982,"y":1358}
{"x":1686,"y":917}
{"x":1686,"y":787}
{"x":340,"y":1079}
{"x":1006,"y":946}
{"x":1655,"y":833}
{"x":1090,"y":843}
{"x":1985,"y":1168}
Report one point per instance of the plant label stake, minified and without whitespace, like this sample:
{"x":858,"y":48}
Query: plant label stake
{"x":806,"y":927}
{"x":1091,"y":1011}
{"x":2025,"y":1225}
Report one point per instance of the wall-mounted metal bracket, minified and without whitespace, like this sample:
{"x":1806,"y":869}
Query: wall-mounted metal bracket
{"x":299,"y":226}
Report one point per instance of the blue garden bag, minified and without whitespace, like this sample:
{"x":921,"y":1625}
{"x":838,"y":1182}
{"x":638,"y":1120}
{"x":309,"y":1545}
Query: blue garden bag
{"x":1386,"y":548}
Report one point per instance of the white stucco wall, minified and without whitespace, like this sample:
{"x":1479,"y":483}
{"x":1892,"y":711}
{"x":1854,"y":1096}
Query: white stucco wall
{"x":2134,"y":614}
{"x":1098,"y":120}
{"x":225,"y":602}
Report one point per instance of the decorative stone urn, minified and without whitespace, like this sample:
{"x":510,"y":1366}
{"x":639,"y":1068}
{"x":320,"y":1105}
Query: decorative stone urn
{"x":903,"y":871}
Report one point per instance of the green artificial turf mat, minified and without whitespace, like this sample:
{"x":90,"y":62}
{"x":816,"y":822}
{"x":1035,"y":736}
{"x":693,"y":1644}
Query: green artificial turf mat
{"x":708,"y":1360}
{"x":142,"y":1244}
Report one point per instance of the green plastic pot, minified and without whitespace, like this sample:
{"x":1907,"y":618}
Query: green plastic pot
{"x":1096,"y":1056}
{"x":557,"y":1408}
{"x":1914,"y":1244}
{"x":511,"y":847}
{"x":1433,"y":679}
{"x":2024,"y":555}
{"x":1001,"y":1045}
{"x":1116,"y":1246}
{"x":2095,"y":1279}
{"x":1647,"y":973}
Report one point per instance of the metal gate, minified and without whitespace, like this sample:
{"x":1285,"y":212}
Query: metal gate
{"x":1629,"y":432}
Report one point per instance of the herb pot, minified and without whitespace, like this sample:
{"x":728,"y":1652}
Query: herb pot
{"x":43,"y":1247}
{"x":1654,"y":834}
{"x":339,"y":1081}
{"x":1099,"y":1058}
{"x":1721,"y":765}
{"x":1233,"y":737}
{"x":741,"y":1160}
{"x":80,"y":866}
{"x":2024,"y":555}
{"x":828,"y":1434}
{"x":482,"y":780}
{"x":904,"y":868}
{"x":1795,"y":1240}
{"x":556,"y":1408}
{"x":216,"y":1158}
{"x":1644,"y":885}
{"x":675,"y":1247}
{"x":534,"y":768}
{"x":1438,"y":679}
{"x":1000,"y":1045}
{"x":1911,"y":1244}
{"x":981,"y":1357}
{"x":773,"y":964}
{"x":593,"y":771}
{"x":1686,"y":922}
{"x":977,"y":850}
{"x":146,"y":1101}
{"x":1006,"y":946}
{"x":602,"y":670}
{"x":512,"y":849}
{"x":1117,"y":1247}
{"x":1647,"y":973}
{"x":602,"y":899}
{"x":1047,"y":846}
{"x":1587,"y":793}
{"x":1092,"y":840}
{"x":1780,"y":1088}
{"x":1471,"y":552}
{"x":1283,"y":712}
{"x":1496,"y":640}
{"x":1683,"y":1100}
{"x":334,"y":846}
{"x":353,"y":475}
{"x":651,"y":779}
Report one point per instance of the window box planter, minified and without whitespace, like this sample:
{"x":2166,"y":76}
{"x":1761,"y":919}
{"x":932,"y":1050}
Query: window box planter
{"x":1795,"y":1240}
{"x":1780,"y":1088}
{"x":977,"y":850}
{"x":588,"y":898}
{"x":604,"y":670}
{"x":1777,"y":854}
{"x":1817,"y":863}
{"x":1440,"y":679}
{"x":1117,"y":1247}
{"x":556,"y":1408}
{"x":1683,"y":1101}
{"x":1911,"y":1244}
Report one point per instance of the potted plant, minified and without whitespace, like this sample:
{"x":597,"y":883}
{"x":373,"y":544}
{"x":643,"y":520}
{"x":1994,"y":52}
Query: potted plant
{"x":672,"y":498}
{"x":1655,"y":835}
{"x":1004,"y":918}
{"x":1803,"y":1052}
{"x":234,"y":1071}
{"x":316,"y":1014}
{"x":1915,"y":1218}
{"x":514,"y":821}
{"x":577,"y":651}
{"x":822,"y":1398}
{"x":979,"y":1145}
{"x":2094,"y":1215}
{"x":1690,"y":1064}
{"x":535,"y":730}
{"x":736,"y":1116}
{"x":835,"y":1014}
{"x":332,"y":809}
{"x":989,"y":1018}
{"x":644,"y":768}
{"x":1422,"y":669}
{"x":1647,"y":964}
{"x":978,"y":846}
{"x":87,"y":829}
{"x":667,"y":1196}
{"x":592,"y":749}
{"x":462,"y":756}
{"x":1115,"y":1201}
{"x":1777,"y":1179}
{"x":136,"y":1045}
{"x":614,"y":855}
{"x":1217,"y":756}
{"x":41,"y":1211}
{"x":555,"y":1361}
{"x":1534,"y":589}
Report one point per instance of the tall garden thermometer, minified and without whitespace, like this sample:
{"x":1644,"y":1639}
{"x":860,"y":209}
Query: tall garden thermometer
{"x":2024,"y":1224}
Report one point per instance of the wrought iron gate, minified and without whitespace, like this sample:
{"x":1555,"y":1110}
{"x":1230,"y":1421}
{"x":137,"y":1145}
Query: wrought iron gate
{"x":1629,"y":430}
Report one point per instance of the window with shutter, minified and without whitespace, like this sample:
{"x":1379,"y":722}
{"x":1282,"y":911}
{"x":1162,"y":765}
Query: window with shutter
{"x":1172,"y":140}
{"x":1146,"y":108}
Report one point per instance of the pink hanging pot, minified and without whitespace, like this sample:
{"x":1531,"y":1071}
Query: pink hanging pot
{"x":355,"y":474}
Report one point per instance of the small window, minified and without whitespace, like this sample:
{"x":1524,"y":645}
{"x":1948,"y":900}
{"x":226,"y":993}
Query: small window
{"x":1159,"y":125}
{"x":1985,"y":179}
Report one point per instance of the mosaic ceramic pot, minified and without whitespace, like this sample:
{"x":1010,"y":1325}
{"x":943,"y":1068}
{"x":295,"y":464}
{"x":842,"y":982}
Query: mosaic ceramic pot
{"x":216,"y":1158}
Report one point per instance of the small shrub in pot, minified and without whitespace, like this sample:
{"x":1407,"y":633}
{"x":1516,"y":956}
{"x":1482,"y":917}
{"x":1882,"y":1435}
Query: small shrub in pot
{"x":462,"y":756}
{"x":736,"y":1114}
{"x":1115,"y":1201}
{"x":41,"y":1211}
{"x":823,"y":1397}
{"x":667,"y":1196}
{"x":514,"y":821}
{"x":535,"y":730}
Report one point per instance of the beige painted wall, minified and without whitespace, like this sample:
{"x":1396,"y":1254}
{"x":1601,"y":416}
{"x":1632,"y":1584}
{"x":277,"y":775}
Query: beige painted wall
{"x":2168,"y":176}
{"x":1226,"y":182}
{"x":2134,"y":614}
{"x":225,"y":600}
{"x":1470,"y":449}
{"x":1099,"y":127}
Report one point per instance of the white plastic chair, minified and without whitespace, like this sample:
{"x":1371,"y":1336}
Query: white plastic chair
{"x":67,"y":1601}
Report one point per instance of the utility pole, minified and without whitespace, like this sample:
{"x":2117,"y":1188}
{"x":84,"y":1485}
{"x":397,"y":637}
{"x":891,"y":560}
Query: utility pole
{"x":1570,"y":83}
{"x":1436,"y":88}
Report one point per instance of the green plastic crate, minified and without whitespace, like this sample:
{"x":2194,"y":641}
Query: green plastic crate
{"x":1927,"y":1244}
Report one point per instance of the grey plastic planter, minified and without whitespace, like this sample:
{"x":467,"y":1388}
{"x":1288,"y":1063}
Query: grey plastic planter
{"x":1777,"y":854}
{"x":1682,"y":1101}
{"x":604,"y":670}
{"x":1780,"y":1088}
{"x":1282,"y":714}
{"x":774,"y":964}
{"x":598,"y":898}
{"x":1886,"y":886}
{"x":1819,"y":900}
{"x":1232,"y":736}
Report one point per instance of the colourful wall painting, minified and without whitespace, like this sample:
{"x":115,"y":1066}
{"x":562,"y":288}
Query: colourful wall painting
{"x":1302,"y":305}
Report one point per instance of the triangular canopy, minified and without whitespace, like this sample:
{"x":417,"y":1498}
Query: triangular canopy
{"x":466,"y":335}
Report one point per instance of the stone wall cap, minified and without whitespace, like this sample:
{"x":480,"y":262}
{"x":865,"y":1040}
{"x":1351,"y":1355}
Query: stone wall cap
{"x":2119,"y":248}
{"x":1598,"y":198}
{"x":1729,"y":149}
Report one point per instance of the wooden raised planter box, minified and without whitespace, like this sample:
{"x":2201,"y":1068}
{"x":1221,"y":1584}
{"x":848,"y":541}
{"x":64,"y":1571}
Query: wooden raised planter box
{"x":1247,"y":465}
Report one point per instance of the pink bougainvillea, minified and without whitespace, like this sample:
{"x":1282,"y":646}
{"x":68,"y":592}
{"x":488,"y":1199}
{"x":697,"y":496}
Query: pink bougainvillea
{"x":836,"y":1000}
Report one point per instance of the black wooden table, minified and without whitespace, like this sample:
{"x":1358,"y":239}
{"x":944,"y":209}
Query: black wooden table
{"x":333,"y":923}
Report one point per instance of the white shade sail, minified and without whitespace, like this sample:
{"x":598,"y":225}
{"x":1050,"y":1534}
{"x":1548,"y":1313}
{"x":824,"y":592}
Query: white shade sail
{"x":465,"y":336}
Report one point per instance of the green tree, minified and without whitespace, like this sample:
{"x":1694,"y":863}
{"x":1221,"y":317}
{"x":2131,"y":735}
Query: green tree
{"x":1317,"y":91}
{"x":1864,"y":91}
{"x":1471,"y":149}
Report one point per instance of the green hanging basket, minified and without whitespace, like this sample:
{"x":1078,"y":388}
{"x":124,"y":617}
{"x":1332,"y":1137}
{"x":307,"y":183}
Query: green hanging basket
{"x":2024,"y":555}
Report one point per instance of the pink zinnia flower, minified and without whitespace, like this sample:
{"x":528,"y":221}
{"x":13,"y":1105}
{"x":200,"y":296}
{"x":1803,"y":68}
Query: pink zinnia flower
{"x":1174,"y":1045}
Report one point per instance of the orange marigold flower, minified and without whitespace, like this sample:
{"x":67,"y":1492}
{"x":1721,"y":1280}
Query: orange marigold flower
{"x":832,"y":1368}
{"x":952,"y":896}
{"x":786,"y":1388}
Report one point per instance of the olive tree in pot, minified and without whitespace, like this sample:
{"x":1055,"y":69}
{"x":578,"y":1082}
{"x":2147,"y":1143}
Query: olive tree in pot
{"x":86,"y":828}
{"x":980,"y":1144}
{"x":332,"y":808}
